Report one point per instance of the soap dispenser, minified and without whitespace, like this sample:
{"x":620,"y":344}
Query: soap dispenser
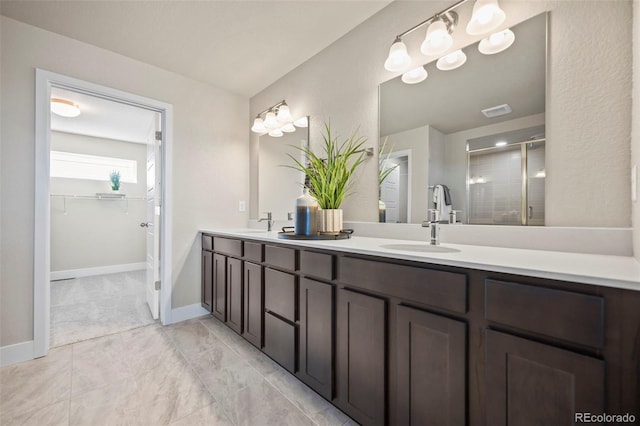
{"x":306,"y":221}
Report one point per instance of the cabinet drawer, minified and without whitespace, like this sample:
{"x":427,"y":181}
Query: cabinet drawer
{"x":227,"y":246}
{"x":280,"y":257}
{"x":317,"y":264}
{"x":280,"y":293}
{"x":253,"y":252}
{"x":447,"y":290}
{"x":207,"y":242}
{"x":565,"y":315}
{"x":280,"y":342}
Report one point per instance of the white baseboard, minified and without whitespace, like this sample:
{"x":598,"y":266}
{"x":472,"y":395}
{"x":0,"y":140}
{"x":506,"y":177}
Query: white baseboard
{"x":14,"y":354}
{"x":99,"y":270}
{"x":187,"y":312}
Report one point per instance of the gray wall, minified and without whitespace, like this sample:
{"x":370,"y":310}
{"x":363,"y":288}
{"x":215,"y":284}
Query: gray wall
{"x":210,"y":153}
{"x":93,"y":232}
{"x":588,"y":101}
{"x":635,"y":142}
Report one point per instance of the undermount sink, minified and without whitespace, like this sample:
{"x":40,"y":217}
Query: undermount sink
{"x":426,"y":248}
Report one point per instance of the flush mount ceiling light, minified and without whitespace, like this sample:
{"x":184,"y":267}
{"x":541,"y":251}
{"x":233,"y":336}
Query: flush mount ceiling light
{"x":501,"y":143}
{"x":64,"y":108}
{"x":277,"y":120}
{"x":487,"y":16}
{"x":452,"y":61}
{"x":497,"y":42}
{"x":497,"y":111}
{"x":438,"y":39}
{"x":414,"y":76}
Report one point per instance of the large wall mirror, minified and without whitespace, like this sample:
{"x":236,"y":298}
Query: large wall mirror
{"x":279,"y":185}
{"x":437,"y":135}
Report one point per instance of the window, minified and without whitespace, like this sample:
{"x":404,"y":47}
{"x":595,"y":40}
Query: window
{"x":82,"y":166}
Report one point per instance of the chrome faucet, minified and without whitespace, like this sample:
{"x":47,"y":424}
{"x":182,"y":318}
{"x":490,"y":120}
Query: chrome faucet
{"x":434,"y":227}
{"x":268,"y":219}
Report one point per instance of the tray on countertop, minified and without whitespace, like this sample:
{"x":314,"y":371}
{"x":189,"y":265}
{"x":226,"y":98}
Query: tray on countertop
{"x":291,"y":235}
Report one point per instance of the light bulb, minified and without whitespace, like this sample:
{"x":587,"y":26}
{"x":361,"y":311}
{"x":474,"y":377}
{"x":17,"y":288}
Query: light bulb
{"x":284,"y":115}
{"x":64,"y":108}
{"x":497,"y":42}
{"x":486,"y":16}
{"x":258,"y":126}
{"x":398,"y":59}
{"x":452,"y":61}
{"x":276,"y":133}
{"x":438,"y":39}
{"x":414,"y":76}
{"x":270,"y":121}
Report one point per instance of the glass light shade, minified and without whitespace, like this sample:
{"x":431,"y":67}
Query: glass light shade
{"x":497,"y":42}
{"x":414,"y":76}
{"x":398,"y":59}
{"x":64,"y":108}
{"x":452,"y":61}
{"x":270,"y":121}
{"x":276,"y":133}
{"x":486,"y":16}
{"x":258,"y":126}
{"x":284,"y":115}
{"x":438,"y":39}
{"x":288,"y":128}
{"x":301,"y":122}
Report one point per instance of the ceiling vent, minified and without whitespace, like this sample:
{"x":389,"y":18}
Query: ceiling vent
{"x":497,"y":111}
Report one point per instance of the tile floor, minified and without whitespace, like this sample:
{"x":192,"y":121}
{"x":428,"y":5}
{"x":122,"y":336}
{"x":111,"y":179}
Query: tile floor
{"x":89,"y":307}
{"x":198,"y":372}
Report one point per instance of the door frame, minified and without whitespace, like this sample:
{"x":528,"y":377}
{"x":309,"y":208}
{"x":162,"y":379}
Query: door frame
{"x":45,"y":81}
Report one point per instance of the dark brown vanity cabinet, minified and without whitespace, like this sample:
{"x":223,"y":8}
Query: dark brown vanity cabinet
{"x":361,"y":357}
{"x":399,"y":342}
{"x":253,"y":303}
{"x":430,"y":368}
{"x":316,"y":336}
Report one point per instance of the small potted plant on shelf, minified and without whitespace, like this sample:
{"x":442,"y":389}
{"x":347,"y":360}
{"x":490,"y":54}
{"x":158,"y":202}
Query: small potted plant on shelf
{"x":114,"y":179}
{"x":328,"y":178}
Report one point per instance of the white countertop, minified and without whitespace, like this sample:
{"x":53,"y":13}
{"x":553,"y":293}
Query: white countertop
{"x":605,"y":270}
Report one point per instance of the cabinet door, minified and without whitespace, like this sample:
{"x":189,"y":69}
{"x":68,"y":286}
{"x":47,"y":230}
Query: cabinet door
{"x":530,"y":383}
{"x":316,"y":336}
{"x":206,"y":295}
{"x":219,"y":305}
{"x":361,"y":373}
{"x":431,"y":368}
{"x":253,"y":304}
{"x":234,"y":294}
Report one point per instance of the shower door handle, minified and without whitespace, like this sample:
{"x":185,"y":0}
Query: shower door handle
{"x":530,"y":212}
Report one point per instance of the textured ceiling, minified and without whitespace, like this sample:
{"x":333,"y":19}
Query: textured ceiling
{"x":240,"y":46}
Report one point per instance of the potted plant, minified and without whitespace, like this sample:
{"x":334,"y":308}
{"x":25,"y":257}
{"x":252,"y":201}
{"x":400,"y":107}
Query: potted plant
{"x":383,"y":172}
{"x":329,"y":177}
{"x":114,"y":179}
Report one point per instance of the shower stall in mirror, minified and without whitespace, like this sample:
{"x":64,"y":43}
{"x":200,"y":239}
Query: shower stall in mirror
{"x":505,"y":183}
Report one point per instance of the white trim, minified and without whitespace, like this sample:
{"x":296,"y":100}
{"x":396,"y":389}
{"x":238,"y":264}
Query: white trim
{"x":45,"y":80}
{"x":98,"y":270}
{"x":13,"y":354}
{"x":188,"y":312}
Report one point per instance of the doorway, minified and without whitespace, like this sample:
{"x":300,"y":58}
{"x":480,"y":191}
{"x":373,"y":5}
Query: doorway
{"x":144,"y":177}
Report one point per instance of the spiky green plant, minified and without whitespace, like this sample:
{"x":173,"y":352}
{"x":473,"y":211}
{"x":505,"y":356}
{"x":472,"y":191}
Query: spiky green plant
{"x":383,"y":170}
{"x":330,"y":178}
{"x":114,"y":178}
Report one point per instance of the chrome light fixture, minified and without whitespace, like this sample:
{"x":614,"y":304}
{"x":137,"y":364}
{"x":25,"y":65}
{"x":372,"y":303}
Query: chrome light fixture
{"x":414,"y":76}
{"x":487,"y":16}
{"x":497,"y":42}
{"x":398,"y":59}
{"x":277,"y":120}
{"x":64,"y":108}
{"x":452,"y":61}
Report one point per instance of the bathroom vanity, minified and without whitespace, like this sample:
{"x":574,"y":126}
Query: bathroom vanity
{"x":393,"y":333}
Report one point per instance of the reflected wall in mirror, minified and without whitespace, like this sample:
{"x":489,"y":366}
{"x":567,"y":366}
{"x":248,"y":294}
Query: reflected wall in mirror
{"x":432,"y":127}
{"x":280,"y":185}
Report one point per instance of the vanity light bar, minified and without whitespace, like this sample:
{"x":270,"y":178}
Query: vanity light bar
{"x":275,"y":120}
